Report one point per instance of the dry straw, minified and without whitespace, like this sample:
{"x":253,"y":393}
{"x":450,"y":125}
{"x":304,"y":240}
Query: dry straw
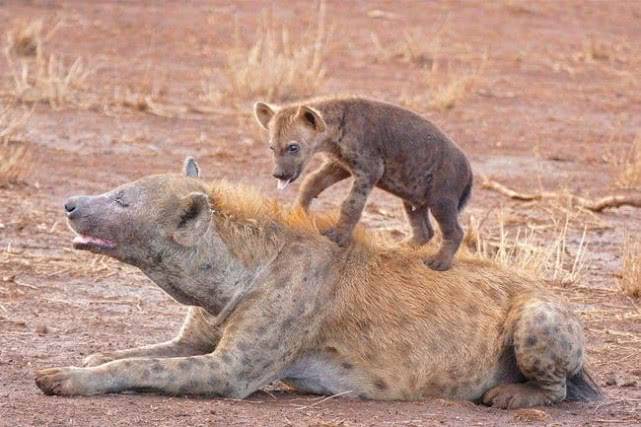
{"x":277,"y":66}
{"x":15,"y":154}
{"x":39,"y":77}
{"x":529,"y":251}
{"x":631,"y":274}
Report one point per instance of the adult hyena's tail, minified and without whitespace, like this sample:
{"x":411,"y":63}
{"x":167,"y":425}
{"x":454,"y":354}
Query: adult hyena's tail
{"x":583,"y":387}
{"x":467,"y":191}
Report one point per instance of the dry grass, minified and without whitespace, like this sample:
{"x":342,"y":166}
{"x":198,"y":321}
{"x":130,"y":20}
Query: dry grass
{"x":445,"y":88}
{"x":414,"y":47}
{"x":39,"y":77}
{"x":15,"y":156}
{"x":279,"y":65}
{"x":631,"y":274}
{"x":26,"y":39}
{"x":629,"y":176}
{"x":529,"y":251}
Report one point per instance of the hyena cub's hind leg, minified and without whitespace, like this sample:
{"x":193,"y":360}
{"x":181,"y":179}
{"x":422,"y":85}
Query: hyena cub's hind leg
{"x":446,"y":212}
{"x":422,"y":231}
{"x":548,"y":345}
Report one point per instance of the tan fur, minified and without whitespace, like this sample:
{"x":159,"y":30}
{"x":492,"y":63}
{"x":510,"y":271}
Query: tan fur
{"x":368,"y":321}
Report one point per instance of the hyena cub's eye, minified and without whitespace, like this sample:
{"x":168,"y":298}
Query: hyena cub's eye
{"x":293,"y":148}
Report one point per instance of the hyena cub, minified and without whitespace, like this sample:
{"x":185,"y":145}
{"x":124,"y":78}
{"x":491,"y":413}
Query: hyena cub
{"x":381,"y":145}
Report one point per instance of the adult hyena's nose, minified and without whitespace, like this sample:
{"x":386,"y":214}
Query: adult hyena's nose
{"x":72,"y":207}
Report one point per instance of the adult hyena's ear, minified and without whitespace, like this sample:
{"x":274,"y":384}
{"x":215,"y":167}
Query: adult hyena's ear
{"x":193,"y":219}
{"x":264,"y":113}
{"x":191,"y":168}
{"x":312,"y":118}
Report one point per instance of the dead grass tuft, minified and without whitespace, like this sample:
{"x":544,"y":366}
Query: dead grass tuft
{"x":445,"y":88}
{"x":414,"y":47}
{"x":529,"y":250}
{"x":15,"y":155}
{"x":39,"y":77}
{"x":595,"y":50}
{"x":26,"y":39}
{"x":631,"y":274}
{"x":629,"y":176}
{"x":278,"y":66}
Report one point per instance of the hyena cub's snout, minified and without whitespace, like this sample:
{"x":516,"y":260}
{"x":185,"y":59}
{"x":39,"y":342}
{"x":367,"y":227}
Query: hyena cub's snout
{"x":285,"y":175}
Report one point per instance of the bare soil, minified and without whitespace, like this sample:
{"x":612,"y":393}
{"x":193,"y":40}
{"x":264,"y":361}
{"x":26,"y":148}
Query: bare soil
{"x":548,"y":111}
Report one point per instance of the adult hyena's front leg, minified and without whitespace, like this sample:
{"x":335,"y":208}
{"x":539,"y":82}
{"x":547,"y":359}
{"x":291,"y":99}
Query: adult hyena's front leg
{"x":181,"y":375}
{"x":197,"y":336}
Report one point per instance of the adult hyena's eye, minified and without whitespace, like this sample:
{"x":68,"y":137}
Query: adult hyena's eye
{"x":120,"y":200}
{"x":293,"y":148}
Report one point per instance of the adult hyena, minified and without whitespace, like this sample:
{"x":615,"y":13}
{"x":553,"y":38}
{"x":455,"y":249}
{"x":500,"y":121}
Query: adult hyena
{"x":270,"y":299}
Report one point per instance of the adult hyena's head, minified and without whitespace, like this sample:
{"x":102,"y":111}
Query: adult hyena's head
{"x":294,"y":134}
{"x":140,"y":222}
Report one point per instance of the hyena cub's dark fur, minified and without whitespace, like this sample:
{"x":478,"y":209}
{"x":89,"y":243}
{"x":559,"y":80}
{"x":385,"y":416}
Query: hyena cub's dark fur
{"x":379,"y":145}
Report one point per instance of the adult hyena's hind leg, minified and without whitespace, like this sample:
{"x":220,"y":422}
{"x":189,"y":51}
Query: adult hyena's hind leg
{"x":549,"y":349}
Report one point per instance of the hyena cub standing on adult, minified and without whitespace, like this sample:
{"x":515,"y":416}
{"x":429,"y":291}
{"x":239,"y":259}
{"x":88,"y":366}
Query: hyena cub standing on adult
{"x":381,"y":145}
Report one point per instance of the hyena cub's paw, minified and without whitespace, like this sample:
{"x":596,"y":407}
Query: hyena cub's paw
{"x":439,"y":263}
{"x":96,"y":359}
{"x":341,"y":238}
{"x":59,"y":381}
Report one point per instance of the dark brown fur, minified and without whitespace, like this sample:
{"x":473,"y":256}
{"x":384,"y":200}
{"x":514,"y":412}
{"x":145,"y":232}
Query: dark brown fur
{"x":379,"y":145}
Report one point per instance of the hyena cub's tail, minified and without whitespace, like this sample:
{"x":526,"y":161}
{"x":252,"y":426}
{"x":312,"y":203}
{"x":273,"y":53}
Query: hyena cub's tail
{"x":467,"y":191}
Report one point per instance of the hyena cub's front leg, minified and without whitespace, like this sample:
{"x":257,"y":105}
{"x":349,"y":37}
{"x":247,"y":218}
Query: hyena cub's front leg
{"x":352,"y":208}
{"x":328,"y":174}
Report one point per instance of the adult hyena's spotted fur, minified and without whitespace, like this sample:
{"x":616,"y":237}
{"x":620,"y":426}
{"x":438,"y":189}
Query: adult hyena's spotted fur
{"x":379,"y":145}
{"x":271,"y":299}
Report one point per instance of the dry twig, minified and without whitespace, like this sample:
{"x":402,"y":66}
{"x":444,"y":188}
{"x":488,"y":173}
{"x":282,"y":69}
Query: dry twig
{"x":594,"y":205}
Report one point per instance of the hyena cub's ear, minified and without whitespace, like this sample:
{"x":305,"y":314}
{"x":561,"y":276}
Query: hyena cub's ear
{"x":264,"y":113}
{"x":312,"y":118}
{"x":191,"y":168}
{"x":194,"y":216}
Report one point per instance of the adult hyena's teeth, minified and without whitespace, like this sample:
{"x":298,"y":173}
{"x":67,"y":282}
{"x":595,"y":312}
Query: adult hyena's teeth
{"x":86,"y":240}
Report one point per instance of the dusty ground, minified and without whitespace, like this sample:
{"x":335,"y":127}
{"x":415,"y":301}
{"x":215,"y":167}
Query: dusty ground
{"x":546,"y":112}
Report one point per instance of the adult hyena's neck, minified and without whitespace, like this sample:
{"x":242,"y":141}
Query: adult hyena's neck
{"x":207,"y":275}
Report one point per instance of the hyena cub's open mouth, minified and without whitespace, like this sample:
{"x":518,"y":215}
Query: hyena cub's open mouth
{"x":282,"y":183}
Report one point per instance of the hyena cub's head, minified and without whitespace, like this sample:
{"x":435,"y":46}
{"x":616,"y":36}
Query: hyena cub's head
{"x":294,"y":134}
{"x":143,"y":221}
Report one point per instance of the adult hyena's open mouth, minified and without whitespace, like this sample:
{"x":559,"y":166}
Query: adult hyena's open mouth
{"x":91,"y":243}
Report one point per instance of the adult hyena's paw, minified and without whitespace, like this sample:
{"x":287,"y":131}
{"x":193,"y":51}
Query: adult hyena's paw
{"x":96,"y":359}
{"x":59,"y":381}
{"x":339,"y":237}
{"x":512,"y":396}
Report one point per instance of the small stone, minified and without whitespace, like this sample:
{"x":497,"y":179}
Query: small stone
{"x":41,"y":329}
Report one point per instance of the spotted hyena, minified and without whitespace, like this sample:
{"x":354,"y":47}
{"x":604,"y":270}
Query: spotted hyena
{"x":379,"y":145}
{"x":271,"y":299}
